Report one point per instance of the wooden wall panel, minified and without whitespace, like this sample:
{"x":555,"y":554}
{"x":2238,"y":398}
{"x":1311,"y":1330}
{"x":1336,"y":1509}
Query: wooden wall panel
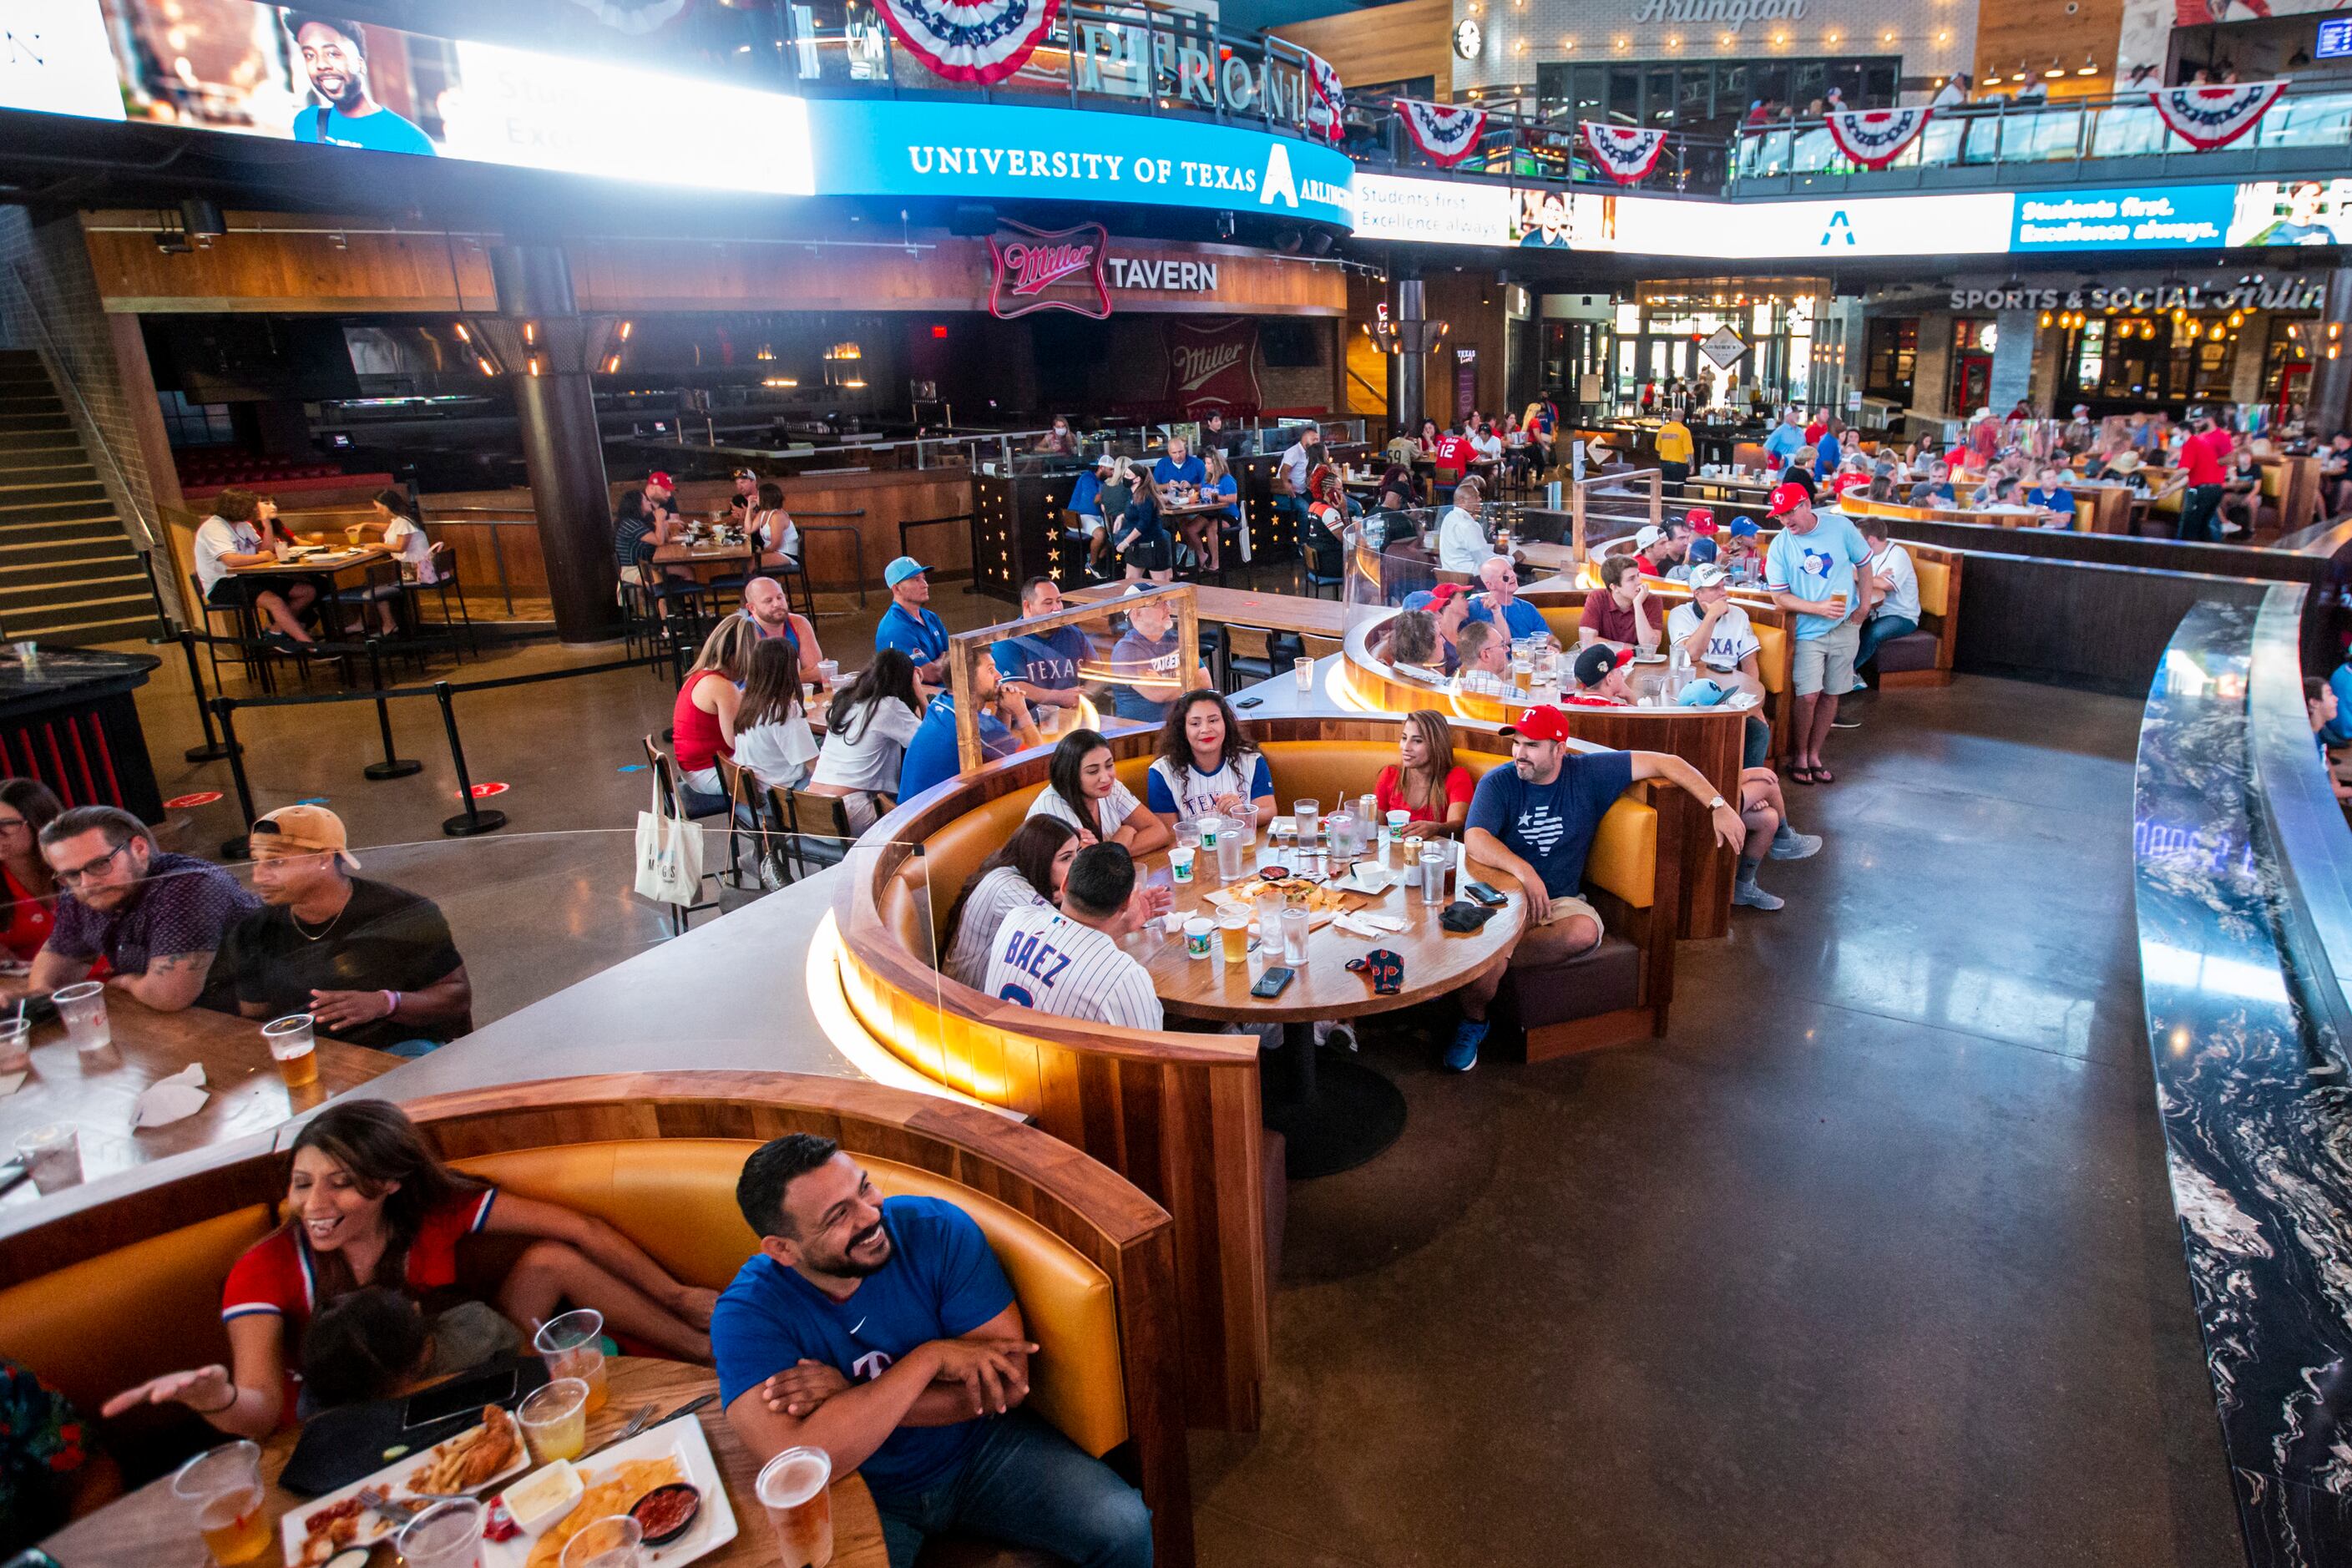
{"x":258,"y":267}
{"x":1383,"y":43}
{"x":2009,"y":32}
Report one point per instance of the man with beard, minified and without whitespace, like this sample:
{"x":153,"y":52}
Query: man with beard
{"x":334,"y":53}
{"x":884,"y":1331}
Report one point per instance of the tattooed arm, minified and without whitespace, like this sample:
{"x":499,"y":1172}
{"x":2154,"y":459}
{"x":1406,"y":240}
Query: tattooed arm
{"x":172,"y":981}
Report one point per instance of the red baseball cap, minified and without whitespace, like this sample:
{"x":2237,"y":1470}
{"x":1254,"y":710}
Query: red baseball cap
{"x":1701,"y":518}
{"x":1783,"y":497}
{"x":661,"y":480}
{"x":1444,"y":594}
{"x":1545,"y":723}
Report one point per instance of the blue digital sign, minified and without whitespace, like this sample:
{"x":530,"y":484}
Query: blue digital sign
{"x":2123,"y":217}
{"x":876,"y":147}
{"x":2335,"y":39}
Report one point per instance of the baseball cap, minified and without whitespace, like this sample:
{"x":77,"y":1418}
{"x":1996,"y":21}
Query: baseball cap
{"x":1650,"y":533}
{"x":1710,"y":575}
{"x":311,"y":828}
{"x":660,"y":480}
{"x":1701,"y":518}
{"x":1702,"y":549}
{"x":2198,"y":411}
{"x":901,"y":569}
{"x":1783,"y":497}
{"x":1593,"y":665}
{"x":1546,"y":722}
{"x":745,"y":474}
{"x":1443,"y":595}
{"x":1744,"y":527}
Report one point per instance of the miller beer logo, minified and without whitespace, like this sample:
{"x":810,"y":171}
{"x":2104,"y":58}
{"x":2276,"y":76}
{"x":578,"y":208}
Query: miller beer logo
{"x":1031,"y":269}
{"x":1213,"y":364}
{"x":1195,"y":364}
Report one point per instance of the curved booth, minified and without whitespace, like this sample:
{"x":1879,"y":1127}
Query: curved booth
{"x":105,"y":1291}
{"x":1180,"y":1114}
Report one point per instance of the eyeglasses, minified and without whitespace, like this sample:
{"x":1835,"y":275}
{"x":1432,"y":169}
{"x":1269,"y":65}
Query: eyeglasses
{"x":12,"y":824}
{"x":90,"y":869}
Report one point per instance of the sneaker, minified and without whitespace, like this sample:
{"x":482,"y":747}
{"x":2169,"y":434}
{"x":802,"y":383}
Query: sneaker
{"x":1338,"y":1037}
{"x":1748,"y":896}
{"x":2231,"y":528}
{"x":1463,"y":1054}
{"x":1843,"y":722}
{"x":1788,"y":846}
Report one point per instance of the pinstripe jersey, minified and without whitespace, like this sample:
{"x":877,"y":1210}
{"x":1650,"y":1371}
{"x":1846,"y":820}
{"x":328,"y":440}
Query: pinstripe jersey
{"x":1045,"y":960}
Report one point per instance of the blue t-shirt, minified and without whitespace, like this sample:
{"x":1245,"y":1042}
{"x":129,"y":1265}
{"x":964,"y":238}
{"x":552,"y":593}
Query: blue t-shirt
{"x":1047,"y":660}
{"x":2059,"y":500}
{"x":1190,"y":471}
{"x":923,"y":640}
{"x":2339,"y":729}
{"x":931,"y":755}
{"x":1550,"y":826}
{"x":1225,"y":487}
{"x":1816,"y":565}
{"x":941,"y":1282}
{"x":1521,"y":620}
{"x":1135,"y":654}
{"x":383,"y":132}
{"x":1827,"y":456}
{"x":1782,"y":443}
{"x":1086,"y":496}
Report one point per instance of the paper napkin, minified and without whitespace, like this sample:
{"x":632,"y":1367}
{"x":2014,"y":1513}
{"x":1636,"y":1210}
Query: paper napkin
{"x":171,"y":1098}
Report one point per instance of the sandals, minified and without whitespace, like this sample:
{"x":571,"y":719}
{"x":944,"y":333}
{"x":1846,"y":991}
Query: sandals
{"x":1823,"y":775}
{"x":1800,"y":774}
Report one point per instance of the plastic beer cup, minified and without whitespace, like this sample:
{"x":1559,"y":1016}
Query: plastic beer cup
{"x":446,"y":1536}
{"x":294,"y":1047}
{"x":572,"y":1346}
{"x":793,"y":1488}
{"x":222,"y":1487}
{"x":82,"y":1009}
{"x":1233,"y":927}
{"x":555,"y":1420}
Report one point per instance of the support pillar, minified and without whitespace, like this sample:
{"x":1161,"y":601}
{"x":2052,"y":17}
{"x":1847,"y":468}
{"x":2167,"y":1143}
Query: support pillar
{"x":1408,"y":389}
{"x":548,"y":352}
{"x":2330,"y":409}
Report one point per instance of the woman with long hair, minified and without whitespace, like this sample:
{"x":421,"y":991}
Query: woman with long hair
{"x":770,"y":527}
{"x":867,"y":728}
{"x":1424,"y":782}
{"x":772,"y":737}
{"x":1082,"y":788}
{"x":26,"y":807}
{"x":702,"y":721}
{"x":1029,"y":870}
{"x":369,"y":1203}
{"x":1205,"y":763}
{"x":1205,"y":531}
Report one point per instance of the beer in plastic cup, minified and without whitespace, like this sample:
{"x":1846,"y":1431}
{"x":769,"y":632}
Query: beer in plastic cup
{"x":793,"y":1488}
{"x":294,"y":1047}
{"x":572,"y":1346}
{"x":222,"y":1487}
{"x":613,"y":1542}
{"x":82,"y":1010}
{"x":15,"y":1045}
{"x":1233,"y":926}
{"x":555,"y":1420}
{"x":52,"y":1156}
{"x":446,"y":1536}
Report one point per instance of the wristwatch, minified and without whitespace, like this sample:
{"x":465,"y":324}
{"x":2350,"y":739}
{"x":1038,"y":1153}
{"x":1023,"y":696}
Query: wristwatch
{"x":1717,"y":804}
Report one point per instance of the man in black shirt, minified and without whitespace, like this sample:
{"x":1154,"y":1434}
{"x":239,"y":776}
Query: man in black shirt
{"x":372,"y":963}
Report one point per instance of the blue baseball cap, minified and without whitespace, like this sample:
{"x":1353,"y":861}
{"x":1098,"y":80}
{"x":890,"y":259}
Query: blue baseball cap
{"x":901,"y":569}
{"x":1743,"y":528}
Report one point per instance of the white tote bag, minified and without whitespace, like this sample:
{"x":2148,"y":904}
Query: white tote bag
{"x":669,"y":850}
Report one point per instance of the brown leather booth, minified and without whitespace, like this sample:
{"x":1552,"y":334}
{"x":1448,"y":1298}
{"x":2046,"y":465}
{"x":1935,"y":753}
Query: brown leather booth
{"x":101,"y":1290}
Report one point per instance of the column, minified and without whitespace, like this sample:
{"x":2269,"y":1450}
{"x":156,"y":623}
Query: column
{"x":563,"y":449}
{"x":2330,"y":409}
{"x":1408,"y":388}
{"x":2012,"y":360}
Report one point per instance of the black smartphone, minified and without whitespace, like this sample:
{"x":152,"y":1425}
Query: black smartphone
{"x":1483,"y":893}
{"x":1247,"y":702}
{"x":496,"y":1386}
{"x":1271,"y":983}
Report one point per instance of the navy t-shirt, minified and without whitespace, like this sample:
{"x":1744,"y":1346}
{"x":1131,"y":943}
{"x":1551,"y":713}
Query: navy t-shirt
{"x":1190,"y":471}
{"x":1047,"y":660}
{"x":1550,"y":826}
{"x":941,"y":1283}
{"x":931,"y":755}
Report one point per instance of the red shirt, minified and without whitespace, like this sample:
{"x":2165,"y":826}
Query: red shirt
{"x":1387,"y":793}
{"x":694,"y":734}
{"x":2201,"y":456}
{"x":1611,"y":622}
{"x":1453,"y":451}
{"x":29,"y":919}
{"x":1816,"y":431}
{"x":1647,"y":567}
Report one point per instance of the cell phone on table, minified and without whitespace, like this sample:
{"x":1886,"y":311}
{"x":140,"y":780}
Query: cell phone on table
{"x":1484,"y":894}
{"x":1247,"y":702}
{"x":1271,"y":983}
{"x":497,"y":1387}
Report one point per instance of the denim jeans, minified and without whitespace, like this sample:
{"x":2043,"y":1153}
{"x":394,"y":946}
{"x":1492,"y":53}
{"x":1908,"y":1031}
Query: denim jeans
{"x":1756,"y":748}
{"x":1027,"y":1485}
{"x":1876,"y":630}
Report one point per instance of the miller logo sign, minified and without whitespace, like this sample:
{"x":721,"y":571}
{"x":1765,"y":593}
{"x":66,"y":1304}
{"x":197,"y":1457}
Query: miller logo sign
{"x":1031,"y":269}
{"x":1213,"y":364}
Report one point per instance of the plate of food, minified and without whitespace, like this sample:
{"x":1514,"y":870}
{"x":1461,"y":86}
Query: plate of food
{"x":483,"y":1454}
{"x":666,"y":1477}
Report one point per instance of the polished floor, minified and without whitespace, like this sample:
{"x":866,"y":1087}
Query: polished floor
{"x":1872,"y":1261}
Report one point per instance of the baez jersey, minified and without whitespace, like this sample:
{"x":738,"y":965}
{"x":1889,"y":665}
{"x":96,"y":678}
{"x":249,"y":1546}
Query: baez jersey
{"x":1045,"y":960}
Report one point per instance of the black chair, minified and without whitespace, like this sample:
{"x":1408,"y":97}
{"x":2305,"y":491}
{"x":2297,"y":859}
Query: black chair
{"x":445,"y":582}
{"x":688,"y":808}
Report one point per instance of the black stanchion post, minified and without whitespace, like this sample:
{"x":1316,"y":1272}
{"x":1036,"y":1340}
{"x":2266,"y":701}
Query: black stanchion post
{"x":235,"y":848}
{"x":211,"y":751}
{"x":391,"y":767}
{"x":472,"y":820}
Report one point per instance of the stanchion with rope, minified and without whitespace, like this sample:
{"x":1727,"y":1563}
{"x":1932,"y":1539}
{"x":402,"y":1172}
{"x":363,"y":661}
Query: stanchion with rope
{"x":235,"y":848}
{"x":214,"y":749}
{"x":473,"y":819}
{"x":391,"y":767}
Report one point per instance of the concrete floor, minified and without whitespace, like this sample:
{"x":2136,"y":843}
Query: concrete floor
{"x":1871,"y":1261}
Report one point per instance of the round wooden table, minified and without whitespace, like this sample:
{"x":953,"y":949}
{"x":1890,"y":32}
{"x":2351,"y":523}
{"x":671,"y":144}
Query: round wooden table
{"x":1334,"y":1113}
{"x":148,"y":1526}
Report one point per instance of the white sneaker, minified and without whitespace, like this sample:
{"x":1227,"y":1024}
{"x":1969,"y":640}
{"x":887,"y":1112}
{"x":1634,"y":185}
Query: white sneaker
{"x":1796,"y":846}
{"x":1748,"y":895}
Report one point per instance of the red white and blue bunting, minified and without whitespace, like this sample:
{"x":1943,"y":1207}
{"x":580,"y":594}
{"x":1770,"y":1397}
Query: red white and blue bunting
{"x":1875,"y":137}
{"x":1444,"y":134}
{"x":980,"y":41}
{"x":2210,"y":117}
{"x":1326,"y":100}
{"x":1625,"y":152}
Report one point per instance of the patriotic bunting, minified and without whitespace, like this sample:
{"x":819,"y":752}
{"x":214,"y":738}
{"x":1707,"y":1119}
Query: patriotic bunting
{"x":1875,"y":137}
{"x":2210,"y":117}
{"x":980,"y":41}
{"x":1626,"y":153}
{"x":1446,"y":133}
{"x":1326,"y":104}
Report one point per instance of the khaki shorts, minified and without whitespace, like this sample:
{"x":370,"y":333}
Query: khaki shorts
{"x":1564,"y":908}
{"x":1826,"y":662}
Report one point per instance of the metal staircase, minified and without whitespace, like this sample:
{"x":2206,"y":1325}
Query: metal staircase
{"x":69,"y":573}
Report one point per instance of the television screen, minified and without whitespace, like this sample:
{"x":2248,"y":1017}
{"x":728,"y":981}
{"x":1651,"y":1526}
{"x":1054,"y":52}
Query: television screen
{"x":250,"y":359}
{"x":1290,"y":344}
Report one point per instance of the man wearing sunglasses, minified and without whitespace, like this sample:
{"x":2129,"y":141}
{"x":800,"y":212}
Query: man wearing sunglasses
{"x":144,"y":921}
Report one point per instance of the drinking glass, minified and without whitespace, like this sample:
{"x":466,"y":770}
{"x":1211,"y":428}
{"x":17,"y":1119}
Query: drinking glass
{"x":15,"y":1045}
{"x":222,"y":1488}
{"x":1188,"y":833}
{"x":1233,"y":930}
{"x":294,"y":1047}
{"x":1229,"y":846}
{"x":446,"y":1536}
{"x":1196,"y":935}
{"x":572,"y":1346}
{"x":29,"y":654}
{"x":1269,"y":921}
{"x":82,"y":1009}
{"x":792,"y":1487}
{"x":1295,"y":924}
{"x":1304,"y":670}
{"x":611,"y":1541}
{"x":1304,"y":813}
{"x":1433,"y":857}
{"x":828,"y":670}
{"x":555,"y":1420}
{"x":52,"y":1156}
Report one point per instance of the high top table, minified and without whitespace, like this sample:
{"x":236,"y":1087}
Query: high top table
{"x":68,"y":718}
